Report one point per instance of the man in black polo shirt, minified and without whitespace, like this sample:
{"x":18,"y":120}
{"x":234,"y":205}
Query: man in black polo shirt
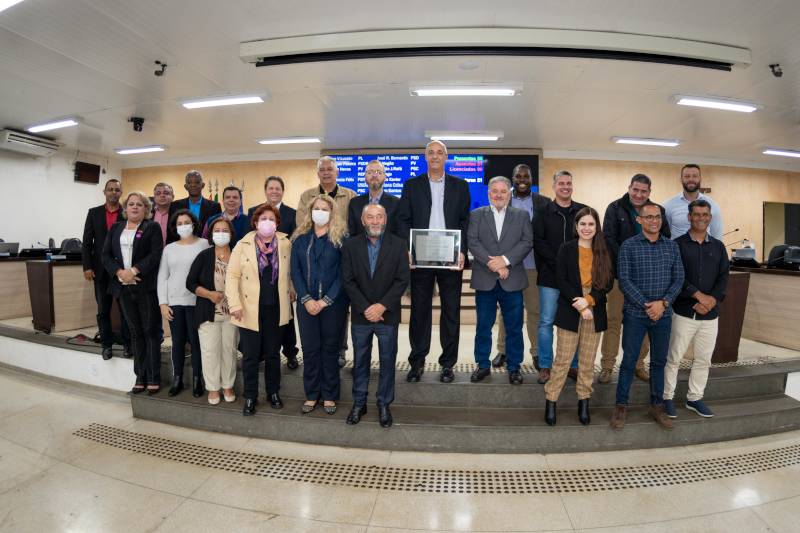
{"x":706,"y":268}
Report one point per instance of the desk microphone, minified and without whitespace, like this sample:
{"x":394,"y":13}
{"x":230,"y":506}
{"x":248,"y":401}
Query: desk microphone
{"x":43,"y":245}
{"x":734,"y":231}
{"x":734,"y":242}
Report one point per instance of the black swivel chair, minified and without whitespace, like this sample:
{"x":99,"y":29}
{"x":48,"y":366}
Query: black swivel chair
{"x":71,"y":246}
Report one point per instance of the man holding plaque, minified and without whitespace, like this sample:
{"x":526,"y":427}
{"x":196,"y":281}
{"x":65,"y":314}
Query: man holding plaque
{"x":500,"y":237}
{"x":435,"y":206}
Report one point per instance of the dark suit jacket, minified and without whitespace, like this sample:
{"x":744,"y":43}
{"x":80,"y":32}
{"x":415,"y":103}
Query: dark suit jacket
{"x":208,"y":208}
{"x":388,"y":201}
{"x":201,"y":274}
{"x":94,"y":236}
{"x":147,"y":249}
{"x":386,"y":286}
{"x":619,"y":224}
{"x":288,"y":219}
{"x":568,"y":277}
{"x":414,"y":210}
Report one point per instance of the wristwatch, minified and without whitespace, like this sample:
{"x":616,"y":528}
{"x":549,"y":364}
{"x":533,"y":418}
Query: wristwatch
{"x":665,"y":302}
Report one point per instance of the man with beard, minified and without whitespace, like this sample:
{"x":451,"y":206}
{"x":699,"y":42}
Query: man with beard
{"x":523,"y":198}
{"x":677,"y":207}
{"x":375,"y":271}
{"x":374,"y":176}
{"x":200,"y":207}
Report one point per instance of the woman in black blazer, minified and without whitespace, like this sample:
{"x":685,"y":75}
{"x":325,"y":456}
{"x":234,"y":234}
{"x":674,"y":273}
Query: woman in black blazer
{"x":212,"y":316}
{"x":584,"y":275}
{"x":131,"y":255}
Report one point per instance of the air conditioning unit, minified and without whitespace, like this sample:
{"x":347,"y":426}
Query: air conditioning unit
{"x":29,"y":144}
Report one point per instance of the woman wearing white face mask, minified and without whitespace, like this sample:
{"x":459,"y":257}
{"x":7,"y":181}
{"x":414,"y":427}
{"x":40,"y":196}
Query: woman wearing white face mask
{"x":177,"y":303}
{"x":260,"y":295}
{"x":212,"y":316}
{"x":323,"y":302}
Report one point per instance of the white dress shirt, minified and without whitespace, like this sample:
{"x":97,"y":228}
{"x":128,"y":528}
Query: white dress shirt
{"x":499,"y":218}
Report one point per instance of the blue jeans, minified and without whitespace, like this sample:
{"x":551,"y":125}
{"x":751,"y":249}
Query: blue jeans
{"x":362,"y":356}
{"x":511,"y":307}
{"x":548,"y":303}
{"x":634,"y":330}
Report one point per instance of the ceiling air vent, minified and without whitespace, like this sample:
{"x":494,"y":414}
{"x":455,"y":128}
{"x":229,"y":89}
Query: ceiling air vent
{"x":28,"y":144}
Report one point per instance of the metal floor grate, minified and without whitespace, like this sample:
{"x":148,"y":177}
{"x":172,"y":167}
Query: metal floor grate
{"x":445,"y":481}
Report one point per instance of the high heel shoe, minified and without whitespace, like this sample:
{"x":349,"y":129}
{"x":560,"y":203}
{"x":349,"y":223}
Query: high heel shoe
{"x":583,"y":411}
{"x":197,"y":386}
{"x":550,"y":412}
{"x":177,"y":386}
{"x":329,"y":409}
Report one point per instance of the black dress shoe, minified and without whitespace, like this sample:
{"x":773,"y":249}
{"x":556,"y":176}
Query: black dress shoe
{"x":342,"y":360}
{"x":153,"y":391}
{"x":415,"y":374}
{"x":536,"y":363}
{"x":291,"y":363}
{"x":355,"y":415}
{"x":250,"y":407}
{"x":550,"y":412}
{"x":127,"y":353}
{"x":515,"y":377}
{"x":107,"y":354}
{"x":499,"y":361}
{"x":197,"y":386}
{"x":177,"y":386}
{"x":447,"y":375}
{"x":479,"y":374}
{"x":583,"y":411}
{"x":275,"y":401}
{"x":386,"y":417}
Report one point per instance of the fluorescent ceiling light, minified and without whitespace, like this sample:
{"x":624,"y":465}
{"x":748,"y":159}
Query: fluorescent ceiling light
{"x":647,"y":142}
{"x":716,"y":103}
{"x":464,"y":135}
{"x":55,"y":125}
{"x":5,"y":4}
{"x":787,"y":153}
{"x":219,"y":100}
{"x":291,"y":140}
{"x":454,"y":90}
{"x":124,"y":151}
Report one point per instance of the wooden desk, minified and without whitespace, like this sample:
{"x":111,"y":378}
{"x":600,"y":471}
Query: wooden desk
{"x":14,"y":299}
{"x":773,"y":307}
{"x":61,"y":299}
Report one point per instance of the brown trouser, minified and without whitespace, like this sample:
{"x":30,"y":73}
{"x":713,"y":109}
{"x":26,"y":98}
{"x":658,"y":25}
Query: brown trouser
{"x":611,"y":338}
{"x":530,"y":299}
{"x":586,"y":340}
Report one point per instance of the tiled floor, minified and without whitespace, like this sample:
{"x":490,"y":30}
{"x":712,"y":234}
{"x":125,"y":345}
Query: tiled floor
{"x":54,"y":481}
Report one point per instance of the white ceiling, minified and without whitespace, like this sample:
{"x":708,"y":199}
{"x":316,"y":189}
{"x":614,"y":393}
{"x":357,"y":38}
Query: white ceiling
{"x":95,"y":59}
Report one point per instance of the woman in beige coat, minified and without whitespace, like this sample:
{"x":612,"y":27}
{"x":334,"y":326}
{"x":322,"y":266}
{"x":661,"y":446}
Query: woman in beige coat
{"x":260,"y":295}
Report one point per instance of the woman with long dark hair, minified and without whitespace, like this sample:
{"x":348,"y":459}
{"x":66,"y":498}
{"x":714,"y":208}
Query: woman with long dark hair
{"x":584,"y":274}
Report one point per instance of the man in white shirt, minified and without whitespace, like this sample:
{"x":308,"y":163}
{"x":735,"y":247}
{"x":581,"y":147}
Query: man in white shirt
{"x":677,"y":207}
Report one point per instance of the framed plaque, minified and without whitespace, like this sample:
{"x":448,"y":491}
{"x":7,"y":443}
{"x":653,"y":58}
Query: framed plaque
{"x":435,"y":248}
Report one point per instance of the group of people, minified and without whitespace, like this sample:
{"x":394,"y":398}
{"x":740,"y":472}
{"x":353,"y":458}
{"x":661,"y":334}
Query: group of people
{"x":226,"y":282}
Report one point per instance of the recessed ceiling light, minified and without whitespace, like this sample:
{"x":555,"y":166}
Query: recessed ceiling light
{"x":716,"y":103}
{"x":786,"y":153}
{"x":647,"y":142}
{"x":63,"y":123}
{"x":464,"y":135}
{"x":454,"y":90}
{"x":5,"y":4}
{"x":225,"y":99}
{"x":142,"y":150}
{"x":290,"y":140}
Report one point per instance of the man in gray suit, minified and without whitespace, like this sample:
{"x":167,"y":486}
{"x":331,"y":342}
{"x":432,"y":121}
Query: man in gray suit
{"x":499,"y":237}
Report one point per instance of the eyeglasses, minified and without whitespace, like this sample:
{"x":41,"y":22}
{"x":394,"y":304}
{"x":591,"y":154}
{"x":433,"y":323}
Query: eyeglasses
{"x":650,"y":218}
{"x":373,"y":172}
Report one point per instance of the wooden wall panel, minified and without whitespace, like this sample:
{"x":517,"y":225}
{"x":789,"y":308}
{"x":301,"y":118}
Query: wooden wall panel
{"x":773,"y":310}
{"x":15,"y":300}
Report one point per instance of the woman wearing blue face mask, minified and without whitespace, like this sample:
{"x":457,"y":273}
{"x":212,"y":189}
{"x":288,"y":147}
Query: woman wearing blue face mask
{"x":260,"y":295}
{"x":322,"y":308}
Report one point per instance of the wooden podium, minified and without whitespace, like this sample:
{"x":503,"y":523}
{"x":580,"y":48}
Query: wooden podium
{"x":61,"y":299}
{"x":731,"y":318}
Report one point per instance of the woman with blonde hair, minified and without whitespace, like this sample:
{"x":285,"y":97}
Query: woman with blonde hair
{"x":131,"y":255}
{"x":323,"y":302}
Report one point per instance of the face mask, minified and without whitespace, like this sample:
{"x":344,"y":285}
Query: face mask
{"x":320,"y":218}
{"x":185,"y":231}
{"x":221,"y":239}
{"x":267,"y":228}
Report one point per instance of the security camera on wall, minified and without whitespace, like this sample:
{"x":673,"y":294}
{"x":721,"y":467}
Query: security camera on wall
{"x":138,"y":122}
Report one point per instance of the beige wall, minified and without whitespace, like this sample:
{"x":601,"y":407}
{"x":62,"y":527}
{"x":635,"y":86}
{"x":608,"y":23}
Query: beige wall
{"x":740,"y":192}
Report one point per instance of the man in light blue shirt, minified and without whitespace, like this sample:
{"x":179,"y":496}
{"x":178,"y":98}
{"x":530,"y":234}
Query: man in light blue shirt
{"x":677,"y":207}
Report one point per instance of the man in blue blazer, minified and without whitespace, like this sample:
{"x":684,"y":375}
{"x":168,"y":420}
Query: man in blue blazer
{"x":434,"y":200}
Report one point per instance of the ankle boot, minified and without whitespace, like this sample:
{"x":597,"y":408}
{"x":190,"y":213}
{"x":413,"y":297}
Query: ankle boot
{"x":550,"y":412}
{"x":197,"y":387}
{"x":583,"y":411}
{"x":177,"y":386}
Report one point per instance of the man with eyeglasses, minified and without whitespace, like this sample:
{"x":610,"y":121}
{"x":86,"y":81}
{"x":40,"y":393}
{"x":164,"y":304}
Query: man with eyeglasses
{"x":677,"y":207}
{"x":374,"y":176}
{"x":650,"y":274}
{"x":619,"y":225}
{"x":706,"y":268}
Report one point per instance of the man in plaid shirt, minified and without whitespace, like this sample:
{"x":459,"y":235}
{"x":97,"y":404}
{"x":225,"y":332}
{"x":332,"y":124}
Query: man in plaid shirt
{"x":650,"y":273}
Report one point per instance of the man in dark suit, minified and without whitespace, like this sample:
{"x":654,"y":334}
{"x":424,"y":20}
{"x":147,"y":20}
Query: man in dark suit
{"x":375,"y":271}
{"x":434,"y":200}
{"x":162,"y":199}
{"x":273,"y":190}
{"x":201,"y":207}
{"x":374,"y":176}
{"x":98,"y":222}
